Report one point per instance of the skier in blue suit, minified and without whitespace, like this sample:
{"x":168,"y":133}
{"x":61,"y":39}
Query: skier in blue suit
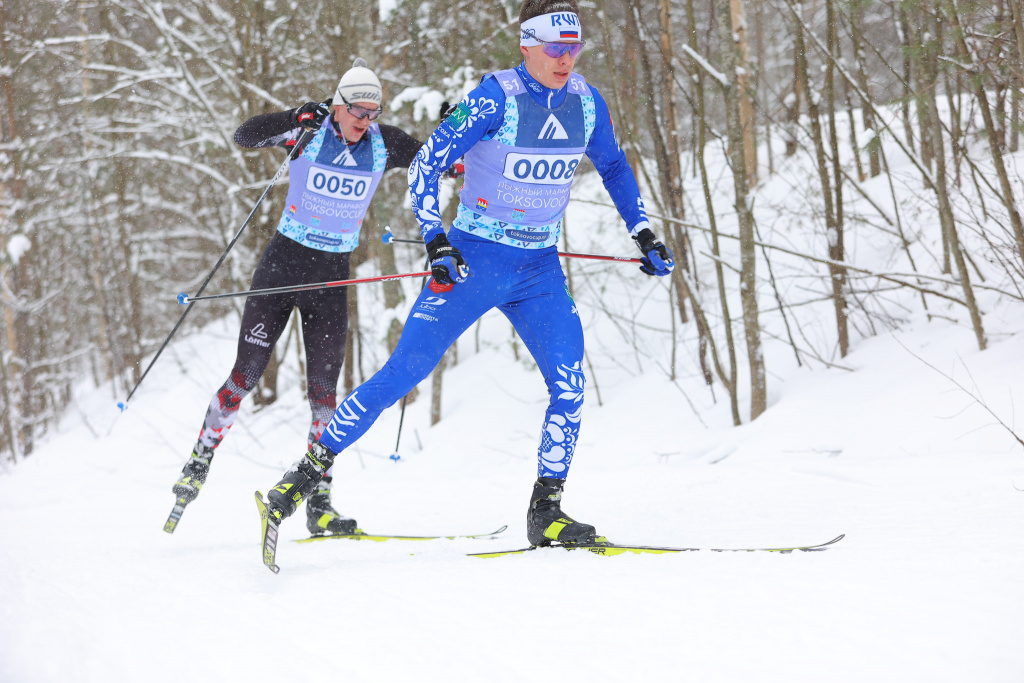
{"x":522,"y":133}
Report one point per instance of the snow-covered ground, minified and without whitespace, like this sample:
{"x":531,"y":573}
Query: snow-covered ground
{"x":925,"y":587}
{"x":926,"y":484}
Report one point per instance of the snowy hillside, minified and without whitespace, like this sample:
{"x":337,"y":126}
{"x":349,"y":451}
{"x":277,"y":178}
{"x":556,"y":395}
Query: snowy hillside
{"x":882,"y":446}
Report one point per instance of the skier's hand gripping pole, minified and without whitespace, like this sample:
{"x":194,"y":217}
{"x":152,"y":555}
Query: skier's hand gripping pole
{"x":446,"y":262}
{"x":657,"y":259}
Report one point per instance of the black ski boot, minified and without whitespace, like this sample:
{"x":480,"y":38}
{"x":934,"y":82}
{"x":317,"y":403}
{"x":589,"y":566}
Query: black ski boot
{"x":545,"y":521}
{"x":299,"y":482}
{"x":321,"y":517}
{"x":193,"y":476}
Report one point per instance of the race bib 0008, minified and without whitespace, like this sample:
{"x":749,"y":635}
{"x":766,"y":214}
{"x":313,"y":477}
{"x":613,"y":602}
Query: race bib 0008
{"x":541,"y":169}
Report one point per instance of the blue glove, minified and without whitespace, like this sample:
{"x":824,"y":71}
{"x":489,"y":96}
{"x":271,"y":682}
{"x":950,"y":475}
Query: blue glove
{"x":446,"y":262}
{"x":657,"y":258}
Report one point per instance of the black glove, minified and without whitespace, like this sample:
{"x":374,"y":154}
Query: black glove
{"x":447,"y":109}
{"x":657,"y":258}
{"x":311,"y":115}
{"x":446,"y":262}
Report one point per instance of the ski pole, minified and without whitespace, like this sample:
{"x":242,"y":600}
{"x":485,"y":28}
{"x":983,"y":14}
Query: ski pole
{"x":401,"y":418}
{"x":123,"y":405}
{"x":184,"y":298}
{"x":388,"y":238}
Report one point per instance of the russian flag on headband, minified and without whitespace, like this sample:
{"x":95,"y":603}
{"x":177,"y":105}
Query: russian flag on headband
{"x":569,"y":33}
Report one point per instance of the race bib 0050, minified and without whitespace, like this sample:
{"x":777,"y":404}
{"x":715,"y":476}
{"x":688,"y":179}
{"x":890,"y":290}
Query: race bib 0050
{"x":344,"y":186}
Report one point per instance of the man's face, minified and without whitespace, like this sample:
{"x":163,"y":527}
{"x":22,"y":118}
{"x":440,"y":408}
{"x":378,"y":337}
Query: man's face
{"x":551,"y":72}
{"x":351,"y":127}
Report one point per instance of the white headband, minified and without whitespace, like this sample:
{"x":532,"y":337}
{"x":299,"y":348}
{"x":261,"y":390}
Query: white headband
{"x":556,"y":27}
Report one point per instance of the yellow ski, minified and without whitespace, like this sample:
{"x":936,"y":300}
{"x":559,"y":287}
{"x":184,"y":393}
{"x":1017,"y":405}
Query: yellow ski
{"x":602,"y":546}
{"x":269,"y":534}
{"x":361,"y":535}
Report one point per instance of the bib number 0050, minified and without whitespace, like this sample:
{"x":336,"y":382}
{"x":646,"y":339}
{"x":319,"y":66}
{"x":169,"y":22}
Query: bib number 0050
{"x":541,"y":169}
{"x":337,"y":185}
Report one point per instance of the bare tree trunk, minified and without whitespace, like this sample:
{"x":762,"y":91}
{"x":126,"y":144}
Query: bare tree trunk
{"x":353,"y":340}
{"x":836,"y":248}
{"x":920,"y":81}
{"x":436,"y":383}
{"x":867,"y":107}
{"x":761,"y":85}
{"x":793,"y":119}
{"x":15,"y":321}
{"x":741,"y":74}
{"x":674,"y":232}
{"x":854,"y":145}
{"x":902,"y":24}
{"x":1015,"y":100}
{"x":728,"y":378}
{"x":946,"y":218}
{"x":8,"y":440}
{"x":649,"y":95}
{"x":733,"y":57}
{"x":837,"y":274}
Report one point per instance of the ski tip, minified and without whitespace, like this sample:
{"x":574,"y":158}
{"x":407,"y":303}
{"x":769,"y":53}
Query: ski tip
{"x":183,"y":298}
{"x":387,"y":237}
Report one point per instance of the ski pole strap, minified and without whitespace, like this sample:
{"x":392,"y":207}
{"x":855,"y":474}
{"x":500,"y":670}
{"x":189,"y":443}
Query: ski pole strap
{"x":185,"y":299}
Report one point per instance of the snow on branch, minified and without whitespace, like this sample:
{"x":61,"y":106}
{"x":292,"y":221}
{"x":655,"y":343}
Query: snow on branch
{"x":704,"y":64}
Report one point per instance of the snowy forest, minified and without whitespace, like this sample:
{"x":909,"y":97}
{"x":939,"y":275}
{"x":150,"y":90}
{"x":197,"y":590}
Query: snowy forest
{"x":769,"y":138}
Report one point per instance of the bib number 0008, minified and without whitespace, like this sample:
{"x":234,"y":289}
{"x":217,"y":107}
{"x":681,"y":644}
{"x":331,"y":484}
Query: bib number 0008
{"x":541,"y":169}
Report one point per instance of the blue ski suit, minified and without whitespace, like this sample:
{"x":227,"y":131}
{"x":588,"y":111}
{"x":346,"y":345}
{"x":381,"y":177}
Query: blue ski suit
{"x":522,"y":143}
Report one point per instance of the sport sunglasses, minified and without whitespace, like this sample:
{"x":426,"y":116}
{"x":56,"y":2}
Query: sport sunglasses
{"x":359,"y":111}
{"x":556,"y":50}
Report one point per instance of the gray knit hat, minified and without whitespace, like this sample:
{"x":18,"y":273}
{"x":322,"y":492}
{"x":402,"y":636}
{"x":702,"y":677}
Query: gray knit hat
{"x":359,"y":84}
